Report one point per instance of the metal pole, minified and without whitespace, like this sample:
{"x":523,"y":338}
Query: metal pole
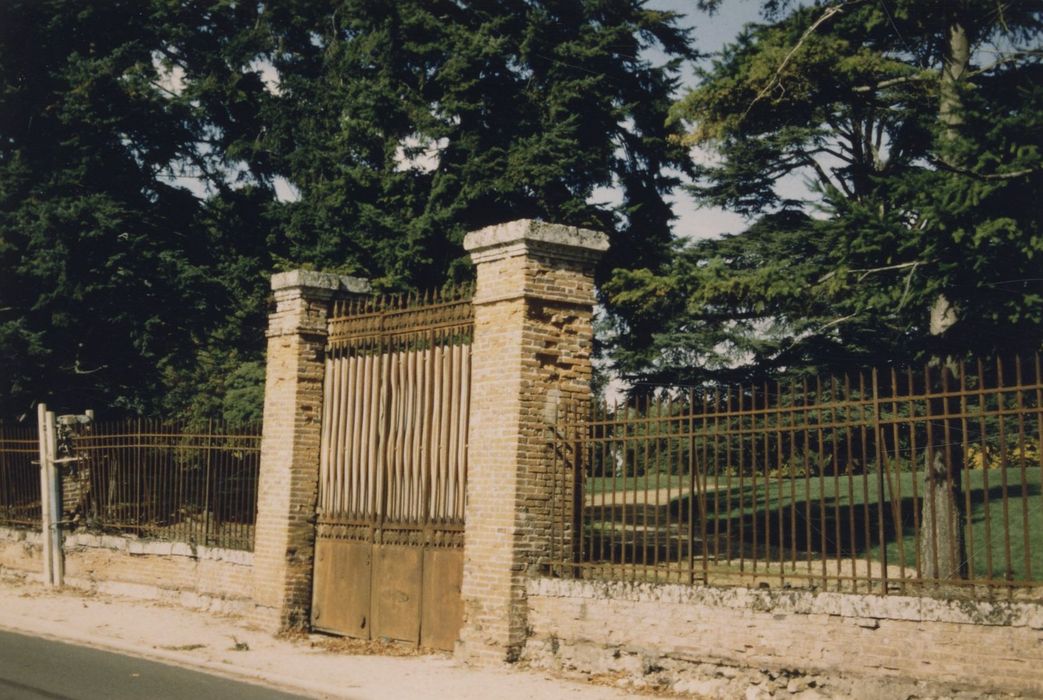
{"x":45,"y":490}
{"x":54,"y":533}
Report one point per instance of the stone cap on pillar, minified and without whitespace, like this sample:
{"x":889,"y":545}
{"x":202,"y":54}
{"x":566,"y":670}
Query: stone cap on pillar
{"x":319,"y":283}
{"x":302,"y":300}
{"x":529,"y":236}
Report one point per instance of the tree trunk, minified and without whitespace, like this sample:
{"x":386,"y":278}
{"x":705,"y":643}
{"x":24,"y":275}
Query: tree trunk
{"x":941,"y":547}
{"x":954,"y":71}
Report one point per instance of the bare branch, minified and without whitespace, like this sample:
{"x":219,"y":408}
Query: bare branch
{"x":77,"y":370}
{"x":836,"y":126}
{"x":1008,"y":58}
{"x":776,"y":82}
{"x":843,"y":185}
{"x":1013,"y":175}
{"x":834,"y":322}
{"x":839,"y":155}
{"x":866,"y":271}
{"x":810,"y":334}
{"x":821,"y":173}
{"x":890,"y":82}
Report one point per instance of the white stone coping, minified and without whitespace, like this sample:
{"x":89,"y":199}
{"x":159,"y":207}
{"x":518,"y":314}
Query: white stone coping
{"x":132,"y":545}
{"x":135,"y":546}
{"x":797,"y":602}
{"x":312,"y":279}
{"x":523,"y":235}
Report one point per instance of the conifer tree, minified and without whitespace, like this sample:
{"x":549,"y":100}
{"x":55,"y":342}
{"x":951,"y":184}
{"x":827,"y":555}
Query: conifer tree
{"x":924,"y":165}
{"x":143,"y":142}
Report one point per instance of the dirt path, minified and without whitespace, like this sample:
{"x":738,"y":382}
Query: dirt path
{"x":313,"y":665}
{"x":652,"y":497}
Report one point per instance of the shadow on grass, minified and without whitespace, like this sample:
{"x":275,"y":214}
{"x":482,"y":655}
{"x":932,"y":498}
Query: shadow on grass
{"x":787,"y":522}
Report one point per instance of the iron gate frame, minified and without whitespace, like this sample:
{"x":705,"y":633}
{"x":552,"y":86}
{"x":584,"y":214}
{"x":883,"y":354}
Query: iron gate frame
{"x":389,"y":548}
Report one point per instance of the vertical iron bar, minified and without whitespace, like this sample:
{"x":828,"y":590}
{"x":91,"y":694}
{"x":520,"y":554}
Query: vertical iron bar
{"x":821,"y":467}
{"x":850,"y":473}
{"x":879,"y":442}
{"x":864,"y":452}
{"x":208,"y":536}
{"x":742,"y":485}
{"x":754,"y":496}
{"x":1020,"y":405}
{"x":983,"y":408}
{"x":805,"y":422}
{"x":716,"y":478}
{"x":965,"y":480}
{"x":691,"y":487}
{"x":1001,"y":403}
{"x":896,"y":487}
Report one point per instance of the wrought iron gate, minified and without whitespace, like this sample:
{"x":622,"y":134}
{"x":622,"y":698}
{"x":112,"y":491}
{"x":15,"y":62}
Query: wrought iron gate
{"x":393,"y":469}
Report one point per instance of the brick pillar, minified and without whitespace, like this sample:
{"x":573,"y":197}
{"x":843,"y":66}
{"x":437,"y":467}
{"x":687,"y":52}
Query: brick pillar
{"x":532,"y":349}
{"x":285,"y":534}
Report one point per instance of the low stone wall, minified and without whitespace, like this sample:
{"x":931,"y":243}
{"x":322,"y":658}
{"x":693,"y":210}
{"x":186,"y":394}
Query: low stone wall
{"x":197,"y":577}
{"x":21,"y":553}
{"x":731,"y":642}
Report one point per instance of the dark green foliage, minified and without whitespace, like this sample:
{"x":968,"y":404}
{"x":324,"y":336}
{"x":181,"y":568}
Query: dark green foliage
{"x":922,"y":189}
{"x":402,"y":125}
{"x":101,"y":259}
{"x":407,"y":124}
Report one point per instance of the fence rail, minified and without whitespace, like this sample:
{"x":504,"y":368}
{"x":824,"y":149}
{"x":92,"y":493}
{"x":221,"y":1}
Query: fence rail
{"x":893,"y":481}
{"x":19,"y":476}
{"x":166,"y":481}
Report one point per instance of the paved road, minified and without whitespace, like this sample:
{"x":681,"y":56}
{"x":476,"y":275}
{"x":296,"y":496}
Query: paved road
{"x":33,"y":668}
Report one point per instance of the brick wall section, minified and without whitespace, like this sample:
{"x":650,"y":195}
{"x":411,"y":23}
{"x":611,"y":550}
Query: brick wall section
{"x":531,"y":353}
{"x":995,"y":645}
{"x":287,"y":492}
{"x":202,"y":577}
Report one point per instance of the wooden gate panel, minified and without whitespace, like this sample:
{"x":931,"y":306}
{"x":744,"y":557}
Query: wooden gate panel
{"x":393,"y":470}
{"x":397,"y":579}
{"x":442,"y":607}
{"x":342,"y":603}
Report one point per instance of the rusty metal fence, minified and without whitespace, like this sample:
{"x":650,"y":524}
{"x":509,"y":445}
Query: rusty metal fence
{"x":889,"y":481}
{"x":165,"y":480}
{"x":19,"y":476}
{"x":394,"y":441}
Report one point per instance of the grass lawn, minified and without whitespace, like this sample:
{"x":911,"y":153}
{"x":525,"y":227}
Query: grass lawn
{"x":828,"y":516}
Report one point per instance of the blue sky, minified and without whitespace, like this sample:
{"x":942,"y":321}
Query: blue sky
{"x":710,"y":33}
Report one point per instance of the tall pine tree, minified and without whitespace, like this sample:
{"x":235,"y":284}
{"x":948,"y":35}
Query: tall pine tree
{"x":923,"y":179}
{"x":401,"y":126}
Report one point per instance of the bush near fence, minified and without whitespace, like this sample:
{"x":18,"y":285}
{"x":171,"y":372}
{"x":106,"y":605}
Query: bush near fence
{"x":820,"y":483}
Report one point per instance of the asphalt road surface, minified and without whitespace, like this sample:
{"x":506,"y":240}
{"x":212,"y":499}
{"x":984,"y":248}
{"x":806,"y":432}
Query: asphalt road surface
{"x":33,"y":668}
